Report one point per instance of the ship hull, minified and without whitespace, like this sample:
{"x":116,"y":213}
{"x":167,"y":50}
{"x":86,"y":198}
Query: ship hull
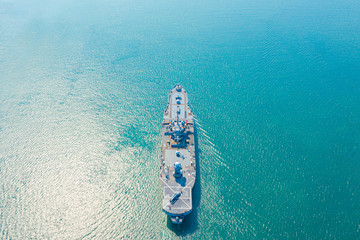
{"x":177,"y":161}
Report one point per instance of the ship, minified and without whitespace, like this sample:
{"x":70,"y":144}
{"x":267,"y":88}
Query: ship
{"x":177,"y":160}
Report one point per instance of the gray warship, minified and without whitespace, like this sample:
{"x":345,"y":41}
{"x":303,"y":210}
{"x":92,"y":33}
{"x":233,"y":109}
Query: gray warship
{"x":178,"y":165}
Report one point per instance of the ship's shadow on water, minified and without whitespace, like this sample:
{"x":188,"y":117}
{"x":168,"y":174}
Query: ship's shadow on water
{"x":190,"y":222}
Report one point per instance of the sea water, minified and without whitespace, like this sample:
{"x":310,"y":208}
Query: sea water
{"x":274,"y":86}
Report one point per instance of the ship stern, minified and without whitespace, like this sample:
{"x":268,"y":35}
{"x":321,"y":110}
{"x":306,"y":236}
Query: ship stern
{"x":177,"y":219}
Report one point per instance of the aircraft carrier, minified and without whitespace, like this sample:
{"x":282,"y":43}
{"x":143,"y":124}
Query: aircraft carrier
{"x":178,"y":165}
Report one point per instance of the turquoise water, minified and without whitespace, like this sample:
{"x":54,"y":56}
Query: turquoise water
{"x":274,"y":85}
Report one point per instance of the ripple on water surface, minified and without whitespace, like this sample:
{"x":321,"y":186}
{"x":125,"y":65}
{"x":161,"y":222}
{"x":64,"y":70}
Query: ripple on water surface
{"x":274,"y":89}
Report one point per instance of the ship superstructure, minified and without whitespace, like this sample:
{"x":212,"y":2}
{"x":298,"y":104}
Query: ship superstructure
{"x":178,"y":165}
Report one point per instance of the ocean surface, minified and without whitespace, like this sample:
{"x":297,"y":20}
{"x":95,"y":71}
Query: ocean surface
{"x":274,"y":86}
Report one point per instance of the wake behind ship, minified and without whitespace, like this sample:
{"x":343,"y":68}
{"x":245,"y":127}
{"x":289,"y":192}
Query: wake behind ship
{"x":178,"y":166}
